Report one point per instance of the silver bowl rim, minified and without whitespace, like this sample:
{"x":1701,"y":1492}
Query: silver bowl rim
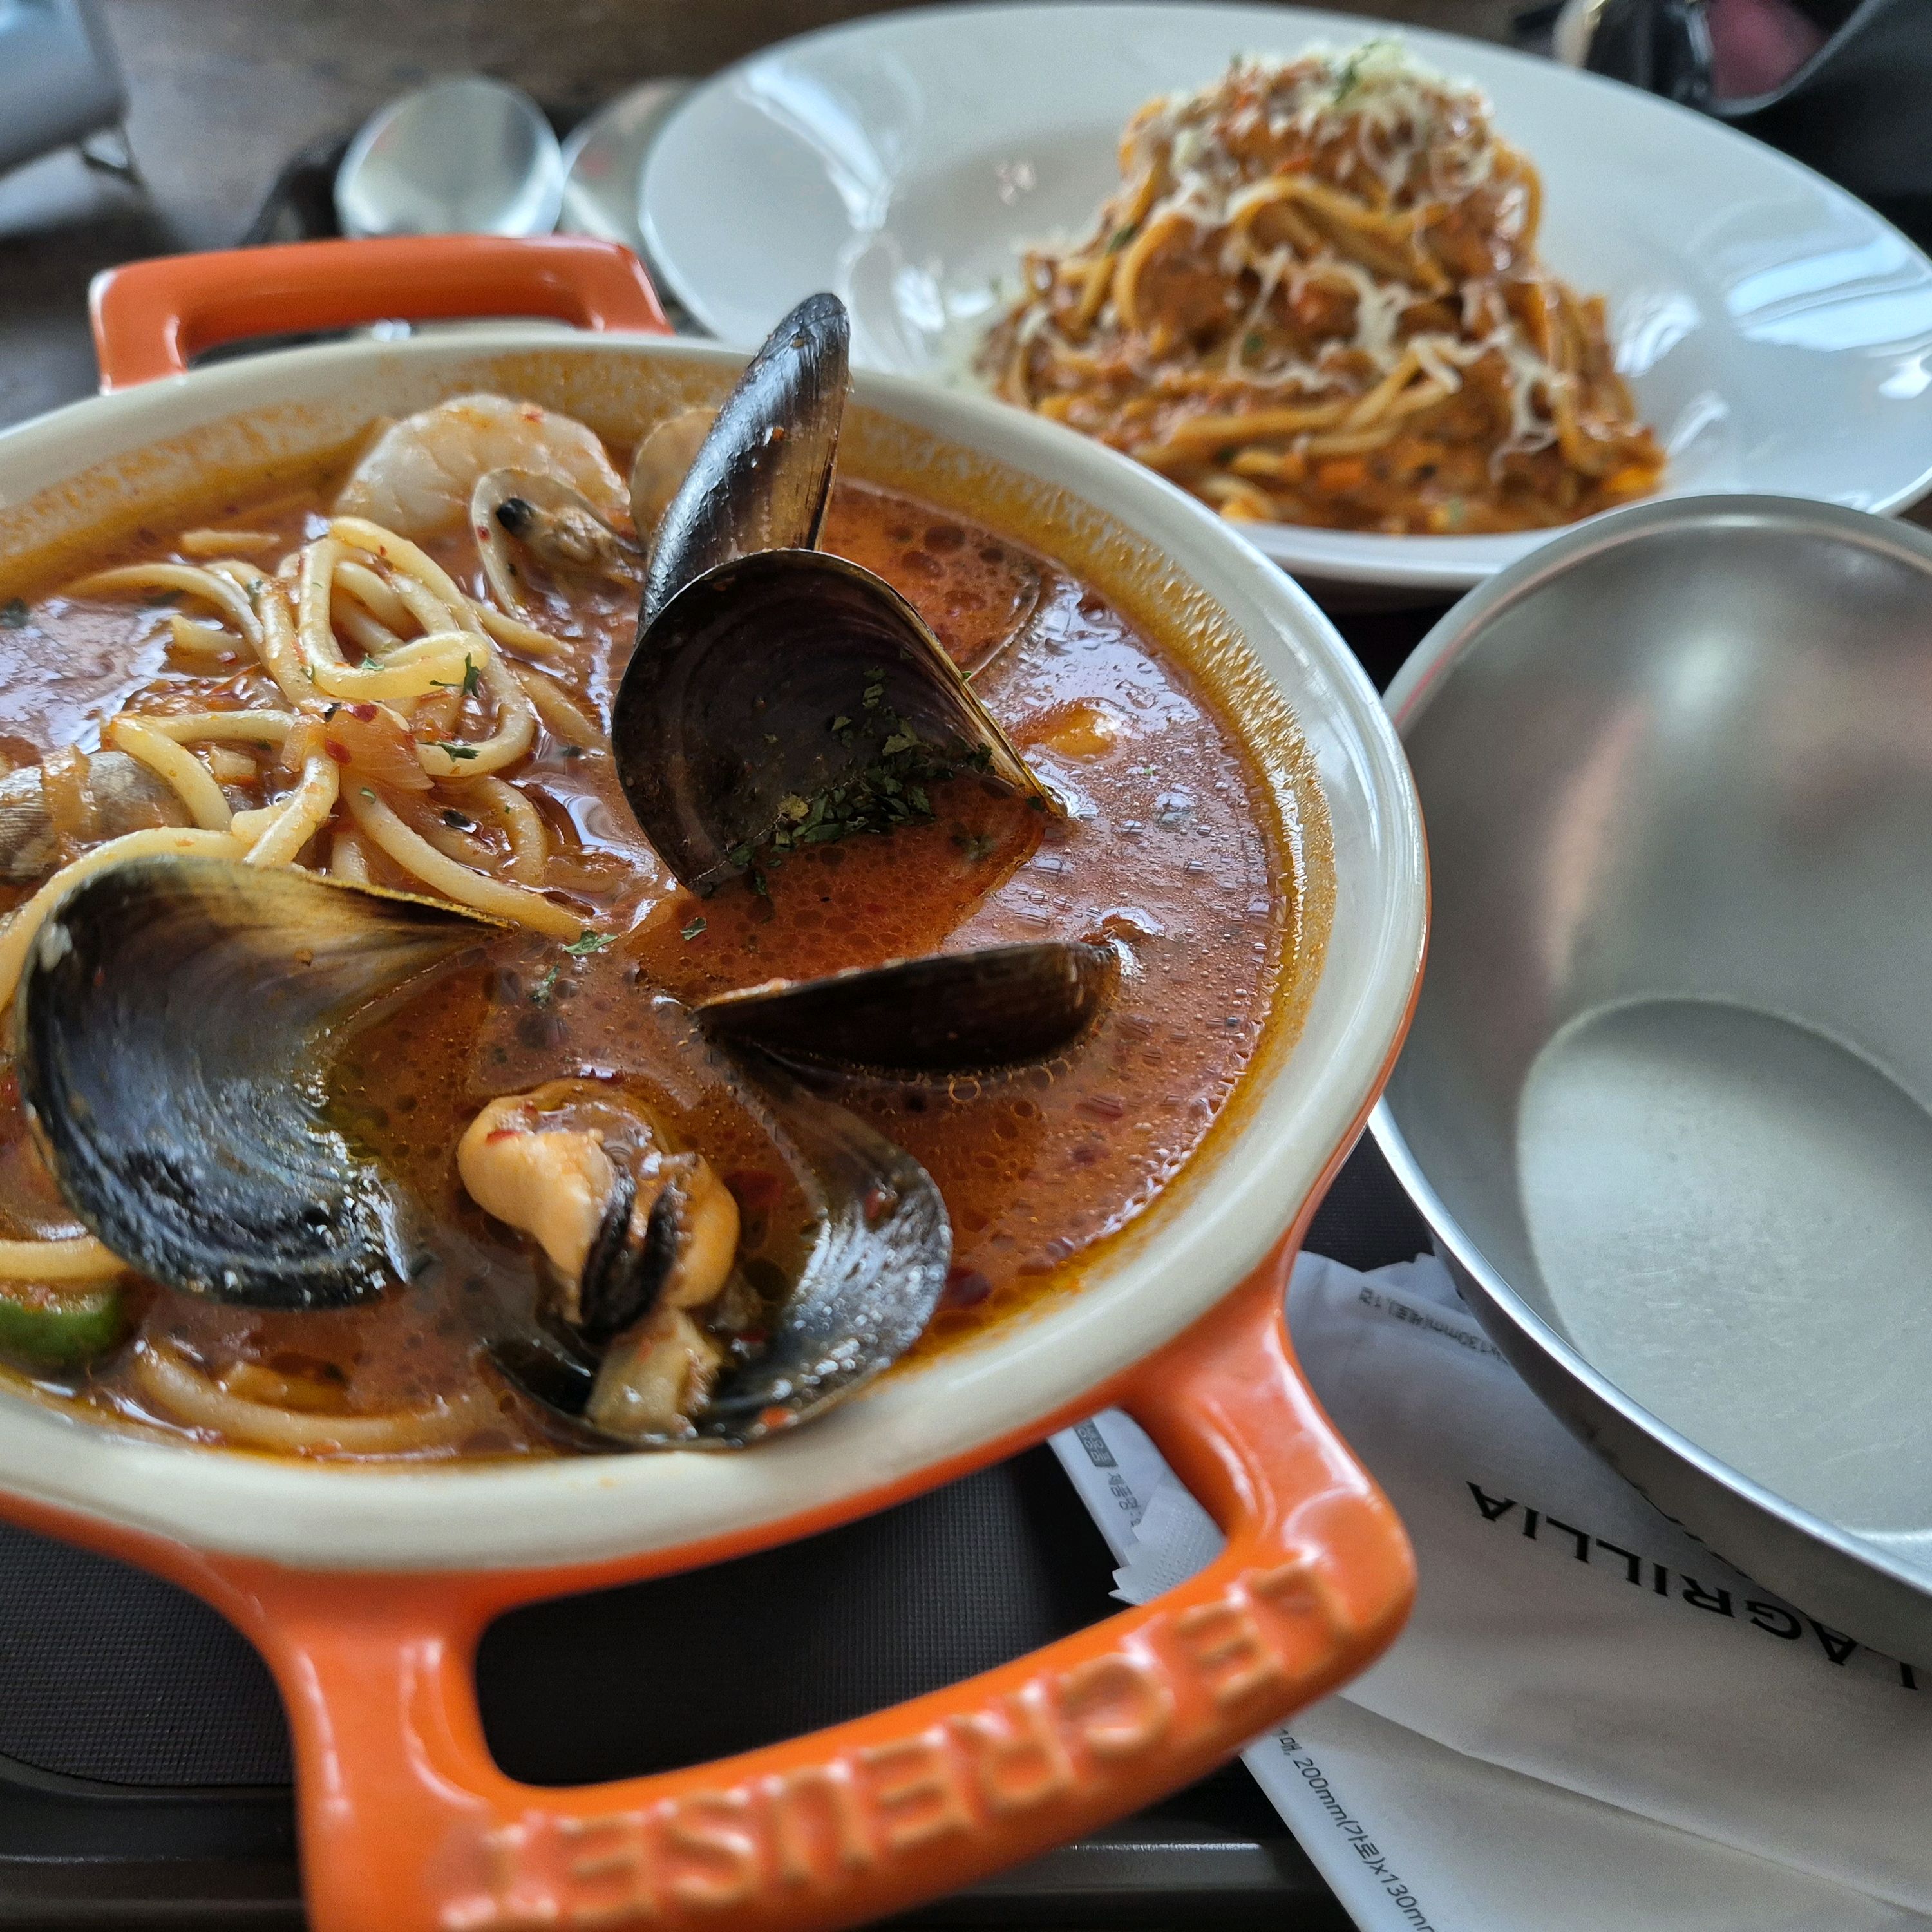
{"x":1458,"y":632}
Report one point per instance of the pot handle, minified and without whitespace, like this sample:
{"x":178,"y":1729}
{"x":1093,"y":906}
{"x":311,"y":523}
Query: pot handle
{"x":151,"y":318}
{"x":408,"y":1824}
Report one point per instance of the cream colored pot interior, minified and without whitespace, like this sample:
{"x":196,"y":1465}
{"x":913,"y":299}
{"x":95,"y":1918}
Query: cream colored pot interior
{"x":1275,"y":659}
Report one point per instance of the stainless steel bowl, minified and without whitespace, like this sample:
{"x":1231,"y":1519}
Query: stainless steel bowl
{"x":1665,"y":1099}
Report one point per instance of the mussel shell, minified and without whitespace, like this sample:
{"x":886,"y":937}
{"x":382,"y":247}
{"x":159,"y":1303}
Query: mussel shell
{"x":122,"y":795}
{"x":952,"y":1012}
{"x":168,"y":1025}
{"x":761,"y":479}
{"x":869,"y":1287}
{"x":726,"y":710}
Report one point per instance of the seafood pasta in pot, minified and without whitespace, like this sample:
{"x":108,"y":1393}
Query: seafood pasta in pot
{"x":521,"y":945}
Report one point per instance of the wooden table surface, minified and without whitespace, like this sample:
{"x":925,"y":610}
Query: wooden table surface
{"x":224,"y":92}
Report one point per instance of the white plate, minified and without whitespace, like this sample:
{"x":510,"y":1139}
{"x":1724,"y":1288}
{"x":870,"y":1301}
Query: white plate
{"x":1777,"y":333}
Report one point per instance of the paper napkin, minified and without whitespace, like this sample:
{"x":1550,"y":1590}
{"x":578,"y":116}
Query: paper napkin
{"x":1591,"y":1721}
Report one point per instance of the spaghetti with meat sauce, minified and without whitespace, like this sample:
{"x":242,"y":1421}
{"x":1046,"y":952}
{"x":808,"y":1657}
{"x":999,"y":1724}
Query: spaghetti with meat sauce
{"x":1316,"y":299}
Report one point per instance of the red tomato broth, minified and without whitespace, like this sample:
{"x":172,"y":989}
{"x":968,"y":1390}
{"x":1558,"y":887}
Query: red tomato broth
{"x":1166,"y":851}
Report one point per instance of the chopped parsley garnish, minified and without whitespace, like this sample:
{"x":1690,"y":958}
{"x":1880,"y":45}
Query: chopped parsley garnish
{"x":541,"y":992}
{"x":1350,"y":75}
{"x":455,"y":751}
{"x":1252,"y":342}
{"x":369,"y":793}
{"x":1121,"y":237}
{"x":13,"y":614}
{"x":469,"y":685}
{"x":691,"y":931}
{"x":587,"y":942}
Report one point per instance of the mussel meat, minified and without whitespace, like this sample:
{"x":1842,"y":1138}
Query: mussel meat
{"x":551,"y":519}
{"x":647,"y":1291}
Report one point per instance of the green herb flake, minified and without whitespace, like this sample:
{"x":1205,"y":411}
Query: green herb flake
{"x":541,"y":992}
{"x":13,"y":614}
{"x":1121,"y":237}
{"x":369,"y":793}
{"x":1253,"y":343}
{"x":1350,"y":75}
{"x":587,"y":942}
{"x":840,"y":723}
{"x":469,"y":684}
{"x":696,"y":926}
{"x":455,"y":751}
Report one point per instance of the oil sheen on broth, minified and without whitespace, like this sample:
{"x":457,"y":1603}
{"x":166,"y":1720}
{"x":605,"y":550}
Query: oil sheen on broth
{"x":1165,"y":850}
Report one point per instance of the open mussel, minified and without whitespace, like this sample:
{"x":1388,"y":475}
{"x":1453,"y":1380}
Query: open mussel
{"x":790,"y":690}
{"x":175,"y":1022}
{"x":774,"y":687}
{"x":762,"y":475}
{"x":169,"y":1024}
{"x":650,"y":1295}
{"x":950,"y":1013}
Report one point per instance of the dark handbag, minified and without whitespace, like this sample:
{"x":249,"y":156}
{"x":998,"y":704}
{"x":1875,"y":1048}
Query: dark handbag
{"x":1858,"y":109}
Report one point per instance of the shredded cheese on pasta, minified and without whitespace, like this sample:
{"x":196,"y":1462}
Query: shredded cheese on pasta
{"x":1342,"y":228}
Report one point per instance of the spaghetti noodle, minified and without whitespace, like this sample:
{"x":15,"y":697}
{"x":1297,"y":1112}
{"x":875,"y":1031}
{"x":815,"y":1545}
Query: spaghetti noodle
{"x":1316,"y":299}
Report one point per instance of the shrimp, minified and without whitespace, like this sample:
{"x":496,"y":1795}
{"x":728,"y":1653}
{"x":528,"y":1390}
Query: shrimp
{"x":417,"y":477}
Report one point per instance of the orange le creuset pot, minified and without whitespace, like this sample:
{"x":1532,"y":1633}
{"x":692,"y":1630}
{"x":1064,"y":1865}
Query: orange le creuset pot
{"x":367,"y":1589}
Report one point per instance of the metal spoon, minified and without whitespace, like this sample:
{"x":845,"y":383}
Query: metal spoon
{"x":603,"y":162}
{"x":472,"y":156}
